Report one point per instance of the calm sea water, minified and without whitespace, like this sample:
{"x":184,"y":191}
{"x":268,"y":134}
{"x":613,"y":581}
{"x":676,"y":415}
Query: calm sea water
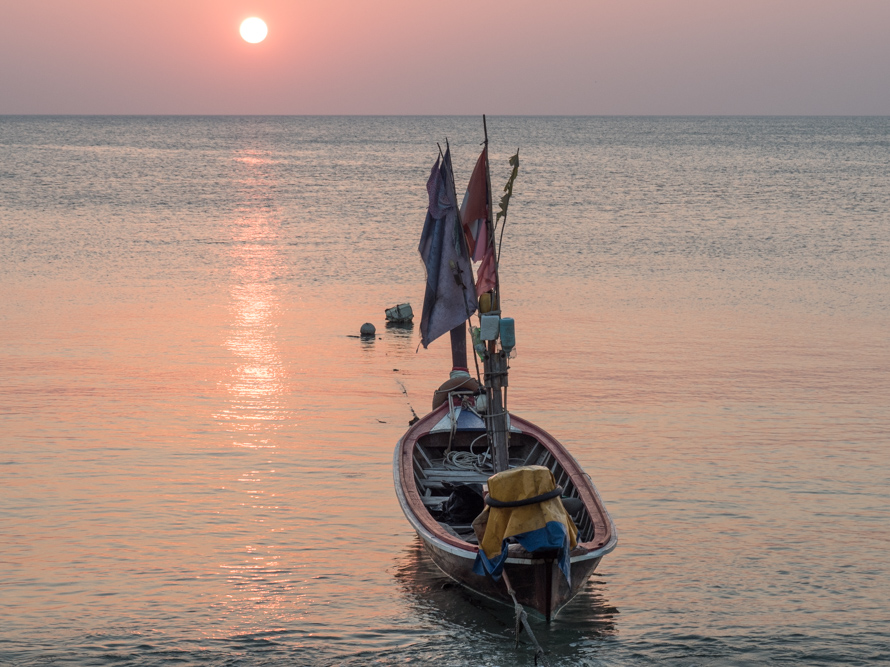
{"x":196,"y":453}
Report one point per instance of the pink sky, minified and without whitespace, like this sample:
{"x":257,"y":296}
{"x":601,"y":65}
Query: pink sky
{"x":450,"y":57}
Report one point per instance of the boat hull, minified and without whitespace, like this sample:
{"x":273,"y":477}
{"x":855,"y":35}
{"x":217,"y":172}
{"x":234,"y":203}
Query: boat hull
{"x":538,"y":583}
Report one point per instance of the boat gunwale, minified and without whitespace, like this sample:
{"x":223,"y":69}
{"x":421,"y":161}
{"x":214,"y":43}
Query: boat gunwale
{"x":467,"y":550}
{"x":410,"y":499}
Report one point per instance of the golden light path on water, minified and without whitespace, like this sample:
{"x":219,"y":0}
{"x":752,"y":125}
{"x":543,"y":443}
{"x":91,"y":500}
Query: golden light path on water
{"x":256,"y":409}
{"x":257,"y":386}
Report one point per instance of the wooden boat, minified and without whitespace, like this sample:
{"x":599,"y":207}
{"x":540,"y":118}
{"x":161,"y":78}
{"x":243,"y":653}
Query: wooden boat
{"x":469,"y":436}
{"x":423,"y":477}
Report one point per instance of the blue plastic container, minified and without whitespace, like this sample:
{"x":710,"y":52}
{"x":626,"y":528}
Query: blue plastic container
{"x":508,"y":334}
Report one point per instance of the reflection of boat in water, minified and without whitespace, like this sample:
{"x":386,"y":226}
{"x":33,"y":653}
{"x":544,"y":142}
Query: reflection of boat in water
{"x":400,"y":328}
{"x":438,"y":600}
{"x":496,"y":500}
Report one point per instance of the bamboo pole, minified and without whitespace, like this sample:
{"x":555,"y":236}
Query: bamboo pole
{"x":496,"y":362}
{"x":496,"y":417}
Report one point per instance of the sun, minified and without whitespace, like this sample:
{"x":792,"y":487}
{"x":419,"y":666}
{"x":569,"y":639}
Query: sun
{"x":254,"y":30}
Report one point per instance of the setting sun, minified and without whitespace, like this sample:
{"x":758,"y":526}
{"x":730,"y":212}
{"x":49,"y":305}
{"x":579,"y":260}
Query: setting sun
{"x":254,"y":30}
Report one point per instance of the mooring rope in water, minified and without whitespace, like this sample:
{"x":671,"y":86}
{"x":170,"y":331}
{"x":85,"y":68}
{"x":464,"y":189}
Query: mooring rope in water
{"x":407,"y":400}
{"x":522,"y":622}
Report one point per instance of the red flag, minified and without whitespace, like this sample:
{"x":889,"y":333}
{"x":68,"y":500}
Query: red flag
{"x":476,"y":219}
{"x":474,"y":212}
{"x":485,"y":274}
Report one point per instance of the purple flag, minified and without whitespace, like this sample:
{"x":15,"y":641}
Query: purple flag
{"x":450,"y":296}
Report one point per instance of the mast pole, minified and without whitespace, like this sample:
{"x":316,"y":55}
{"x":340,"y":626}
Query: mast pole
{"x":496,"y":420}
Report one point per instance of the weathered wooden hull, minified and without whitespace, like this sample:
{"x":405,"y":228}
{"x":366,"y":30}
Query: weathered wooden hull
{"x":539,"y":584}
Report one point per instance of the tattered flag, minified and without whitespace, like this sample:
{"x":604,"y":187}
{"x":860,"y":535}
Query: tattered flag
{"x":450,"y":298}
{"x":474,"y":210}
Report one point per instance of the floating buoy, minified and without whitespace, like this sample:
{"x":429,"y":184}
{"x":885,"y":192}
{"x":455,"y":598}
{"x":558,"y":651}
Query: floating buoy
{"x":487,"y":302}
{"x":400,"y":314}
{"x":368,"y":329}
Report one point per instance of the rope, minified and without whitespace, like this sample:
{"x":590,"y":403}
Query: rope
{"x":464,"y":396}
{"x":468,"y":461}
{"x":407,"y":400}
{"x":493,"y":502}
{"x":455,"y":389}
{"x":522,"y":622}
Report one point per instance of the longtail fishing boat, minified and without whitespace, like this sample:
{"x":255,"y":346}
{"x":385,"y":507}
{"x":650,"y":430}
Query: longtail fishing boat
{"x":500,"y":505}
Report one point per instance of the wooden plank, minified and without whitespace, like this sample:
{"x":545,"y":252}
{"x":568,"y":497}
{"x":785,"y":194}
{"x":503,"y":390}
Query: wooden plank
{"x":533,"y":454}
{"x":452,"y":475}
{"x":422,"y":451}
{"x":448,"y":529}
{"x":410,"y":489}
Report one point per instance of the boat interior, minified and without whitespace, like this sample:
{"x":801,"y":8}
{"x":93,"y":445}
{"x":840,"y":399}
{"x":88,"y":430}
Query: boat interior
{"x":446,"y":464}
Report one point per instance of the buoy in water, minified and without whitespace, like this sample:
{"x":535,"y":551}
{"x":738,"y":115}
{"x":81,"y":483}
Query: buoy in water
{"x":368,"y":329}
{"x":400,"y":314}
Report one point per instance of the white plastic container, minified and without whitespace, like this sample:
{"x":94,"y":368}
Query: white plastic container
{"x":400,"y":313}
{"x":490,"y":326}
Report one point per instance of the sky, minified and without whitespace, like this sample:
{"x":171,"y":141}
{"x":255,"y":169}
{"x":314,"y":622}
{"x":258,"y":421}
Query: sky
{"x":561,"y":57}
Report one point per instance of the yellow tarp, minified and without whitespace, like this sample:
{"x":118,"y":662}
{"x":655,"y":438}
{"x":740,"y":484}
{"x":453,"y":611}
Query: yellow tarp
{"x":498,"y":523}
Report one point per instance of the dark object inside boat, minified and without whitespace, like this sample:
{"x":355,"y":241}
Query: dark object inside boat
{"x":462,"y":506}
{"x":574,"y":507}
{"x":466,"y":502}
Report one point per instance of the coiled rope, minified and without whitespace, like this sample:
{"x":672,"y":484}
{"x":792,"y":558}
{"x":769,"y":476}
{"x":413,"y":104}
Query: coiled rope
{"x":461,"y":460}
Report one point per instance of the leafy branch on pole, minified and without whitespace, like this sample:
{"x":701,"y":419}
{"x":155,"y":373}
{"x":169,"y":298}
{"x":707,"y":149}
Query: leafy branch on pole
{"x":505,"y":200}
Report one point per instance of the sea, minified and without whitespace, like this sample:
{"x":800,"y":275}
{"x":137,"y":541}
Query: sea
{"x":196,"y":445}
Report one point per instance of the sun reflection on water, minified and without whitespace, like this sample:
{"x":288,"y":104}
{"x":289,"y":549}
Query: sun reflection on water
{"x":260,"y":588}
{"x":256,"y":387}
